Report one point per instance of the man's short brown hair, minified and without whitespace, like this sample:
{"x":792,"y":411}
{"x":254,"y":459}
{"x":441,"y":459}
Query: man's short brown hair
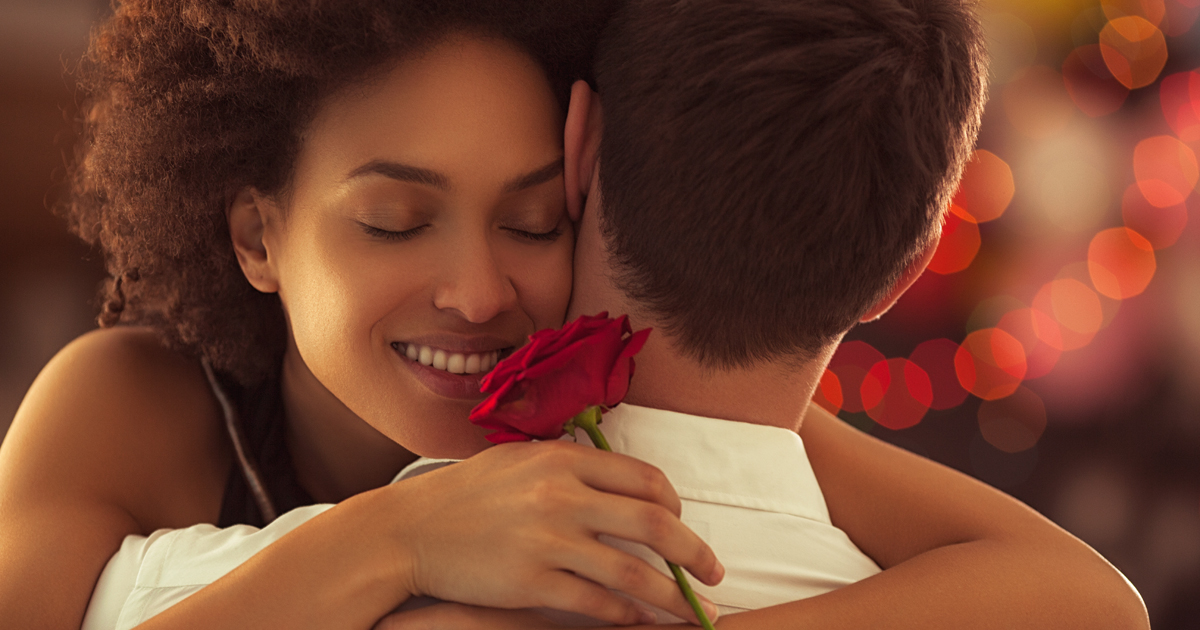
{"x":770,"y":167}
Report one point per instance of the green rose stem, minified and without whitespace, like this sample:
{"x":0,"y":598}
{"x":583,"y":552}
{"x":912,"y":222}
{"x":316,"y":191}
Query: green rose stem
{"x":589,"y":421}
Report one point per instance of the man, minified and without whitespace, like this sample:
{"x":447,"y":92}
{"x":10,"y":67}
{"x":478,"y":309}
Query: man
{"x":755,"y":178}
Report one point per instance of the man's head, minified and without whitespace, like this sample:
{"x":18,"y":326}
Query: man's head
{"x":771,"y":171}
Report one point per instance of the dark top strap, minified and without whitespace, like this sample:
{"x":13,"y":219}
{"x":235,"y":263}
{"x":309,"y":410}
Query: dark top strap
{"x":262,"y":482}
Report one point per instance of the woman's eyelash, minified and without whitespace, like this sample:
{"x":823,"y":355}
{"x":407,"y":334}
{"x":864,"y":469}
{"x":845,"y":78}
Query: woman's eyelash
{"x":538,"y":236}
{"x":390,"y":235}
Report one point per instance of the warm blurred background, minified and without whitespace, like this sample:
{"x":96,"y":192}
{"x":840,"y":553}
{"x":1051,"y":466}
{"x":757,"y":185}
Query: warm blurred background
{"x":1053,"y":350}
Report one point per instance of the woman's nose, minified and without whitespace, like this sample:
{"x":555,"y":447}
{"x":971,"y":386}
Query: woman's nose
{"x":474,"y":285}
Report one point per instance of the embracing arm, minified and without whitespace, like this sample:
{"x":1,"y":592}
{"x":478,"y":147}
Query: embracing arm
{"x":118,"y":436}
{"x":956,"y":553}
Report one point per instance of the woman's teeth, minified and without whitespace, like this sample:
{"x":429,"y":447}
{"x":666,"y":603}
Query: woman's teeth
{"x":453,"y":362}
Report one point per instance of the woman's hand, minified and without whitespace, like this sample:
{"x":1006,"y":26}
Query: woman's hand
{"x":517,"y":525}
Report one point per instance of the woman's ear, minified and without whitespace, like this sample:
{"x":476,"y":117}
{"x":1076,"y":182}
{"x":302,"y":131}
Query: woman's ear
{"x":248,"y":218}
{"x":581,"y":144}
{"x":910,"y":275}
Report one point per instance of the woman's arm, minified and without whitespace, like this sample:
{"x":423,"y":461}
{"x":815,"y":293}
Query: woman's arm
{"x":92,"y":458}
{"x":956,"y":553}
{"x":82,"y":466}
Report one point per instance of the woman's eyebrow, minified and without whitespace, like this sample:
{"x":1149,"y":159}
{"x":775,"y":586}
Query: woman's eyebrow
{"x":540,"y":176}
{"x":402,"y":172}
{"x":418,"y":175}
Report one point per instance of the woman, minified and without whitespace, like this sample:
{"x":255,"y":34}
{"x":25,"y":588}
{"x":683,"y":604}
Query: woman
{"x":302,"y":194}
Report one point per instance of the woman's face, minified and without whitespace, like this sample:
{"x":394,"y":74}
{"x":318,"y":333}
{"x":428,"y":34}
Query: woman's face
{"x":426,"y":219}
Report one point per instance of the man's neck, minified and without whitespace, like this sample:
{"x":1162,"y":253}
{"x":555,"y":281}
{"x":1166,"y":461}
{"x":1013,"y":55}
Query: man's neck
{"x":767,"y":394}
{"x":773,"y":394}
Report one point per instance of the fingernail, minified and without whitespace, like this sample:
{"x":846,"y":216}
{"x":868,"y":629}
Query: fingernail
{"x":647,"y":617}
{"x":710,"y":609}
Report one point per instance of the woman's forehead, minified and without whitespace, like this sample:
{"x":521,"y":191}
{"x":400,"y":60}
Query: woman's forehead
{"x":466,"y":107}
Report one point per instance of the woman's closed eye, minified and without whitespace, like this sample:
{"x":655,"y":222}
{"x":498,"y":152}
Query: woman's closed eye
{"x":391,"y":235}
{"x":540,"y":237}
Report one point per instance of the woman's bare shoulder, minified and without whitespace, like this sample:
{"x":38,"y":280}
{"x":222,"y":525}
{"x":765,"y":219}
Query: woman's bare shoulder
{"x":116,"y":417}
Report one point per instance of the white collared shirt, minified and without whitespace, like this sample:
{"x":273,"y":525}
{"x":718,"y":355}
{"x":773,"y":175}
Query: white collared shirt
{"x":747,"y":490}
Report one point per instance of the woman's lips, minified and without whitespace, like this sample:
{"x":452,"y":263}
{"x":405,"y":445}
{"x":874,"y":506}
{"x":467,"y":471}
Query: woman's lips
{"x":448,"y":360}
{"x":450,"y":385}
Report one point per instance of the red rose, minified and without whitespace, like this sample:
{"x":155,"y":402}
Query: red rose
{"x":557,"y":375}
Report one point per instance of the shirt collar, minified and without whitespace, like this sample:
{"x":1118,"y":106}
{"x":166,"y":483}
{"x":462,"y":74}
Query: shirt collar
{"x":707,"y":459}
{"x":719,"y":461}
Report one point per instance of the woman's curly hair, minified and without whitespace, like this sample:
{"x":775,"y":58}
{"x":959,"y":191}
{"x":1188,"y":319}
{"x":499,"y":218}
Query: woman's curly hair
{"x":190,"y":101}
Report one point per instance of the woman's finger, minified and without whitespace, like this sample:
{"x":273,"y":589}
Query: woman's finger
{"x":572,"y":593}
{"x":631,"y":575}
{"x":653,"y":526}
{"x":621,"y":474}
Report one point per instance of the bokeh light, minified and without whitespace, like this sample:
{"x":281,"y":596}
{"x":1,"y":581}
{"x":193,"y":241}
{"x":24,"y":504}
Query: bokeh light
{"x":1181,"y":15}
{"x":1040,"y":336}
{"x":1014,"y":423}
{"x":1166,"y":170}
{"x":1120,"y":262}
{"x":1066,"y":179}
{"x":1179,"y":95}
{"x":1134,"y":50}
{"x":958,"y":245}
{"x":990,"y":363}
{"x":988,"y":312}
{"x":1011,"y":43}
{"x":936,"y":358}
{"x":850,"y":363}
{"x":1089,"y":83}
{"x":1161,"y":226}
{"x":985,"y":190}
{"x":896,"y":393}
{"x":1152,"y":10}
{"x":1075,"y":307}
{"x":829,"y":392}
{"x":1037,"y":103}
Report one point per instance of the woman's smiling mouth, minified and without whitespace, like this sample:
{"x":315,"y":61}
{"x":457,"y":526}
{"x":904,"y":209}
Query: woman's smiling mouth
{"x":453,"y":362}
{"x":449,"y":373}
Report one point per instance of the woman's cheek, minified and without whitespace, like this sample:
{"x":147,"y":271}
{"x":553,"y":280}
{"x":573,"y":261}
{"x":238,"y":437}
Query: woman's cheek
{"x":546,"y":283}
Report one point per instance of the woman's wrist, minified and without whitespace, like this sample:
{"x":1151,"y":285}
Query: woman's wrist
{"x":374,"y":527}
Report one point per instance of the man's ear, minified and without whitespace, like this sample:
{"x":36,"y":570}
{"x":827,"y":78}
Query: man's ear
{"x":910,"y":275}
{"x":581,"y":144}
{"x":247,"y":217}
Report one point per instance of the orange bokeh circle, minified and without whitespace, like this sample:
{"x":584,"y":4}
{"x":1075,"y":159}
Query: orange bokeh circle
{"x":1166,"y":170}
{"x":958,"y":245}
{"x":990,"y":363}
{"x":1076,"y":308}
{"x":1040,"y":336}
{"x":1120,"y":262}
{"x":1134,"y":50}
